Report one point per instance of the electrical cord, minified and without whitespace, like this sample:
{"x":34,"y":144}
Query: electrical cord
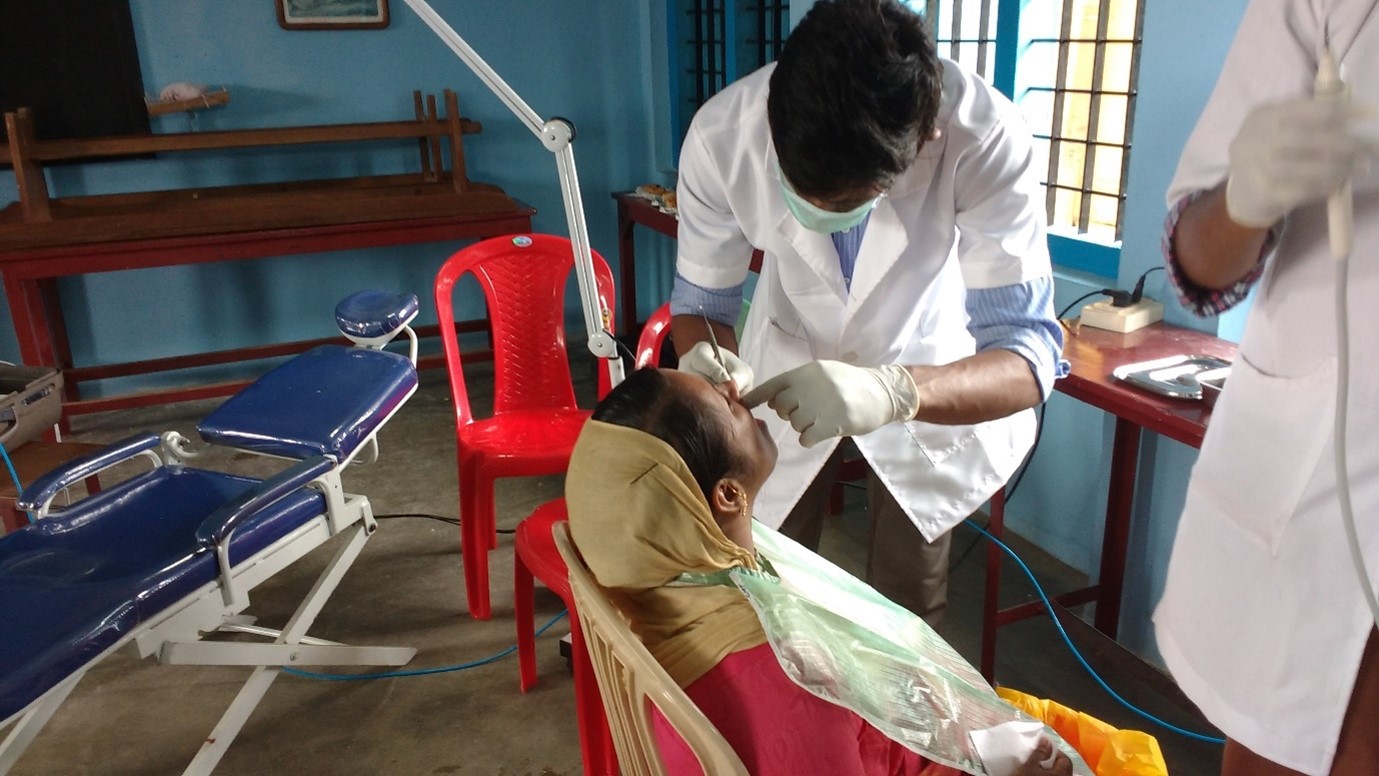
{"x":420,"y":515}
{"x":1048,"y":607}
{"x":1039,"y":427}
{"x":1013,"y":486}
{"x":421,"y":671}
{"x":1342,"y":467}
{"x":438,"y":518}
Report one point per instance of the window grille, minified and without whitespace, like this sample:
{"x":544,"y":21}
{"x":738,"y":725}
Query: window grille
{"x":1082,"y":112}
{"x":965,"y":31}
{"x":770,"y":26}
{"x":1077,"y":64}
{"x":714,"y":42}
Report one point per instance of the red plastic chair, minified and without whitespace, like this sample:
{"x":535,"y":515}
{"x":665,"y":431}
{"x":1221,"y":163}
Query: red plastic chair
{"x":537,"y":557}
{"x":535,"y":418}
{"x":653,"y":336}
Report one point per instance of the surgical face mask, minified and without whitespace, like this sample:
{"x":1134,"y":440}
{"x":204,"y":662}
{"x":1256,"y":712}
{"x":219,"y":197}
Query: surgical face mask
{"x":816,"y":219}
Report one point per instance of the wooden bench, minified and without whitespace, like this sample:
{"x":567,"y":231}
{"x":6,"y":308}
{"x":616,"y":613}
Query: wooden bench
{"x":40,"y":219}
{"x":44,"y":237}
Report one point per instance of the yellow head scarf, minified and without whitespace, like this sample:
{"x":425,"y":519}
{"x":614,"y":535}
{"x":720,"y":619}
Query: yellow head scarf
{"x":639,"y":519}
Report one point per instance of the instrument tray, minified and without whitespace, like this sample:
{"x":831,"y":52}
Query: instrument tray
{"x":1187,"y":377}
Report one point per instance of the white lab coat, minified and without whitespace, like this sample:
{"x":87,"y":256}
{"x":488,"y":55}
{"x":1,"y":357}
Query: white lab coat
{"x":1262,"y":621}
{"x":968,"y":214}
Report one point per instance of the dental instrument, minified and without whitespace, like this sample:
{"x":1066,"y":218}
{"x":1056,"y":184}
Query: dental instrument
{"x":713,"y":341}
{"x":1330,"y":84}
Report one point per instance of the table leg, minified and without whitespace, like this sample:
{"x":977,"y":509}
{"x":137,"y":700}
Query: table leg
{"x":1125,"y":452}
{"x":28,"y":312}
{"x":991,"y":605}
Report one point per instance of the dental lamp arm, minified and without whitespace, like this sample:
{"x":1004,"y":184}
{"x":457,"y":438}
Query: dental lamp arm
{"x":556,"y":135}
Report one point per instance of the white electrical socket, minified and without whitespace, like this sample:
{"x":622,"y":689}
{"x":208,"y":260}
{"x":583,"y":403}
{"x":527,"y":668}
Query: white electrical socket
{"x":1104,"y":315}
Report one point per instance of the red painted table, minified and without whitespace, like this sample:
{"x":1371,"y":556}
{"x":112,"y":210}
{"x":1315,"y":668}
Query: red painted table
{"x":634,"y":210}
{"x":1094,"y":354}
{"x":30,"y":275}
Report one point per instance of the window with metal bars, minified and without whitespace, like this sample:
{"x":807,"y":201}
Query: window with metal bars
{"x":715,"y":41}
{"x":1072,"y":67}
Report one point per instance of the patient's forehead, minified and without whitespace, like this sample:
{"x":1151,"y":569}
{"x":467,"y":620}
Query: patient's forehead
{"x":702,"y":391}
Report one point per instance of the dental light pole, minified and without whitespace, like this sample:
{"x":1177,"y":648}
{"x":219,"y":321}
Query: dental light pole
{"x":556,"y":135}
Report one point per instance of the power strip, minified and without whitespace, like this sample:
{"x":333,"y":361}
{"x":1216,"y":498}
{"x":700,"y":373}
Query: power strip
{"x":1104,"y":315}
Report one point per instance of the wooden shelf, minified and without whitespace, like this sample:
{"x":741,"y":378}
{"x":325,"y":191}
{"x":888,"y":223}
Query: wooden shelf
{"x":208,"y":100}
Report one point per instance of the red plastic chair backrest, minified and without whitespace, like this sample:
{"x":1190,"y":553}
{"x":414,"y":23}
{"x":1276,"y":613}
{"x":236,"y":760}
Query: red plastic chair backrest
{"x":653,"y":336}
{"x":523,"y":279}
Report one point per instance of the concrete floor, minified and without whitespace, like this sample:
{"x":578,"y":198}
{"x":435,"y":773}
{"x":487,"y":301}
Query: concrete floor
{"x":136,"y":717}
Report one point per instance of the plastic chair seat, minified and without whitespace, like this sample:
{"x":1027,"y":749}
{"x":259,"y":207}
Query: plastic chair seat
{"x":534,"y":435}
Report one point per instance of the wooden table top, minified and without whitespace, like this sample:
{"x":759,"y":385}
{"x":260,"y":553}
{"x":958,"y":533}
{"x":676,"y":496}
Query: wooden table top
{"x":1095,"y":353}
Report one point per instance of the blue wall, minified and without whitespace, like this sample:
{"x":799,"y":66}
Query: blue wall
{"x":584,"y":59}
{"x":1060,"y":507}
{"x":602,"y":65}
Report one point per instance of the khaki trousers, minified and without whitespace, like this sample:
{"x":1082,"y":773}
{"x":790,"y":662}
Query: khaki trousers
{"x":901,"y":565}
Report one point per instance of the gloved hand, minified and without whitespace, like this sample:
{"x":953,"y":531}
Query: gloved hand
{"x":1292,"y":153}
{"x":700,"y":360}
{"x":825,"y":399}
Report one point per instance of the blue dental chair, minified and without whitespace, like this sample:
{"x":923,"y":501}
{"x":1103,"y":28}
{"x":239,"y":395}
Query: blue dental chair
{"x":172,"y":553}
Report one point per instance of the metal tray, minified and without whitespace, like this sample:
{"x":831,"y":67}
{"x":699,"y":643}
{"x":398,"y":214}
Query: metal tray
{"x":1178,"y":377}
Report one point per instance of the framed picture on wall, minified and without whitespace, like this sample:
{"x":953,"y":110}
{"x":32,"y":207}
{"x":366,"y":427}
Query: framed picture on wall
{"x":332,"y":14}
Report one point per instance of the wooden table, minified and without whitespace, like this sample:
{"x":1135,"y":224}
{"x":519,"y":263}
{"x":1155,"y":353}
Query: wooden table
{"x":1094,"y":354}
{"x":634,"y":210}
{"x":30,"y":275}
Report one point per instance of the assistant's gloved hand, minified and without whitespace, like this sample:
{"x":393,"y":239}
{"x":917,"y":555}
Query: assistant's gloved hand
{"x":1292,"y":153}
{"x":825,"y":399}
{"x":700,"y":360}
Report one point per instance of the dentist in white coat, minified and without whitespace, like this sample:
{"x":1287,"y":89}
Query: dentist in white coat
{"x":905,"y":299}
{"x":1262,"y":620}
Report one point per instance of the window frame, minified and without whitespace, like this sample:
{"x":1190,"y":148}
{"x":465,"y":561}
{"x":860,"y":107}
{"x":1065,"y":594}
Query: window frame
{"x":1068,"y":250}
{"x":733,"y":42}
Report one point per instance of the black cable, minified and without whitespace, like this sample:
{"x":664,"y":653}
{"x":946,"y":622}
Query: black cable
{"x":1029,"y":457}
{"x":1010,"y":489}
{"x":1138,"y":293}
{"x":422,"y":515}
{"x":1074,"y":303}
{"x":438,"y":518}
{"x":1119,"y":298}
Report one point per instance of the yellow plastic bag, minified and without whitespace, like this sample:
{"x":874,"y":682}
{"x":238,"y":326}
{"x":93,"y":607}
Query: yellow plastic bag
{"x":1110,"y":751}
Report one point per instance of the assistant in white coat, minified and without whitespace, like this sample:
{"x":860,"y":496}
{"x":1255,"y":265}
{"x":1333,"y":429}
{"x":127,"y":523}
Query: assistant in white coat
{"x":957,"y":235}
{"x":1262,"y":620}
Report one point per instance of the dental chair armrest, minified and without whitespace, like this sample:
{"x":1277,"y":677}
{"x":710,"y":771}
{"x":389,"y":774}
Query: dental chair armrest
{"x":215,"y":530}
{"x":43,"y":490}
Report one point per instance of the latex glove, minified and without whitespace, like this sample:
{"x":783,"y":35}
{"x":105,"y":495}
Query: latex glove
{"x":825,"y":399}
{"x":1292,"y":153}
{"x":700,"y":360}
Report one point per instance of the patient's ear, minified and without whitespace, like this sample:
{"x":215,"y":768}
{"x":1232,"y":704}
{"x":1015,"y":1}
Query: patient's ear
{"x":732,"y":511}
{"x":729,"y":500}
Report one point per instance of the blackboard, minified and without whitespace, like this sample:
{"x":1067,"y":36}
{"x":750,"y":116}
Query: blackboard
{"x":75,"y":64}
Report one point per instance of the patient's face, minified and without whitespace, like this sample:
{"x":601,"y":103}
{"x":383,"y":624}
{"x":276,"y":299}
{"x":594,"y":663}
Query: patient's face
{"x":745,"y":435}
